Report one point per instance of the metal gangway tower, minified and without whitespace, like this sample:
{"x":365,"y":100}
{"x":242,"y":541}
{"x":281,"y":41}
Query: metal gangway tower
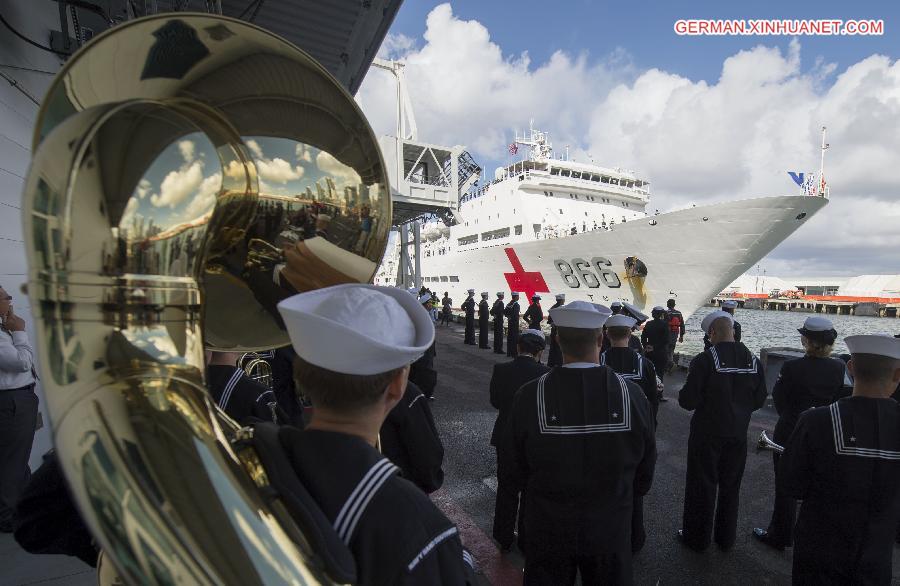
{"x":426,"y":180}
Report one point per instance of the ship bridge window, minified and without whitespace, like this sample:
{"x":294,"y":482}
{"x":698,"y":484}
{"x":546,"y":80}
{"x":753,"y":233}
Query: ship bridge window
{"x":604,"y":179}
{"x":454,"y":279}
{"x":576,"y":174}
{"x":444,"y":279}
{"x":494,"y":234}
{"x":565,"y":173}
{"x":536,"y":228}
{"x":554,"y":170}
{"x":595,"y":178}
{"x":518,"y":230}
{"x":468,"y":240}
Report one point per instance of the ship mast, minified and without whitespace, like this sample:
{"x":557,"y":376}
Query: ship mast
{"x":822,"y":186}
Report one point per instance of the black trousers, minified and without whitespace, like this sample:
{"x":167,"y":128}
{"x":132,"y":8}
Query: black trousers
{"x":18,"y":417}
{"x":445,"y":317}
{"x":784,"y":515}
{"x":554,"y":358}
{"x":483,"y":333}
{"x":512,"y":340}
{"x":470,"y":330}
{"x":595,"y":570}
{"x":507,"y":509}
{"x":638,"y":534}
{"x":713,"y":464}
{"x":498,"y":336}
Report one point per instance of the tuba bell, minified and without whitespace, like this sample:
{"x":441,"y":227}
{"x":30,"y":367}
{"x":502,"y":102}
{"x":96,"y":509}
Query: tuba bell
{"x":180,"y":164}
{"x":764,"y":443}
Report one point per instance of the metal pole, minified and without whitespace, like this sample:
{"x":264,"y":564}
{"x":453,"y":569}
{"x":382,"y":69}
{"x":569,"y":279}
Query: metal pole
{"x":417,"y":247}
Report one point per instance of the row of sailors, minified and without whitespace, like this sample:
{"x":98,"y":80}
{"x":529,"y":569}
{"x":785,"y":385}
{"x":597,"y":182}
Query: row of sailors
{"x":842,"y":459}
{"x":577,"y":446}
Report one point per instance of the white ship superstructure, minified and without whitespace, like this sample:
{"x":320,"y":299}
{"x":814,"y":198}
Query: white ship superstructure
{"x":548,"y":225}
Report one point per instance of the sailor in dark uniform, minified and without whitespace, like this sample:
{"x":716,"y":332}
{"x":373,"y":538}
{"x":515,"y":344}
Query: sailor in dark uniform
{"x":497,"y":314}
{"x":468,"y":306}
{"x":512,"y":324}
{"x":815,"y":380}
{"x":505,"y":381}
{"x":582,"y":445}
{"x":534,"y":315}
{"x":240,"y":397}
{"x":554,"y":358}
{"x":635,"y":368}
{"x":411,"y":441}
{"x":422,"y":372}
{"x":484,"y":314}
{"x":655,"y":339}
{"x":843,"y":462}
{"x":395,"y":533}
{"x":728,"y":307}
{"x":725,"y":385}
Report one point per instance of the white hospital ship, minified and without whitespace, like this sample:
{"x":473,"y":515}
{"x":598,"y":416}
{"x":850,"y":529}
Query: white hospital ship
{"x":548,"y":225}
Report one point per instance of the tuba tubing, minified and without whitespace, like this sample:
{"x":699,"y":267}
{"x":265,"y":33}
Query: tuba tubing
{"x":138,"y":212}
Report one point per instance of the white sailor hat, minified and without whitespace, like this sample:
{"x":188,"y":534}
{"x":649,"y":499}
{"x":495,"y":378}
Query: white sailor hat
{"x":425,"y":298}
{"x":560,"y":296}
{"x":878,"y":344}
{"x":730,"y":304}
{"x":470,"y":291}
{"x":602,"y":309}
{"x":484,"y":293}
{"x":500,"y":294}
{"x":357,"y":329}
{"x":534,"y":334}
{"x":620,"y":320}
{"x":578,"y":314}
{"x":816,"y":326}
{"x":515,"y":293}
{"x":634,"y":312}
{"x":709,"y":319}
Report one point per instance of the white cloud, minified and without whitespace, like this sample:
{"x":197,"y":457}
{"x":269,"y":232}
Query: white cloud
{"x":187,"y":148}
{"x":255,"y":148}
{"x":341,"y":174}
{"x":278,"y":170}
{"x":178,"y":185}
{"x":130,"y":213}
{"x":303,"y":153}
{"x":205,"y":198}
{"x":143,"y":188}
{"x":696,"y":140}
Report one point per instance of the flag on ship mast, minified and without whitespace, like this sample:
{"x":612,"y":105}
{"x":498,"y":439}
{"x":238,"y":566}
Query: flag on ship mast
{"x":513,"y":148}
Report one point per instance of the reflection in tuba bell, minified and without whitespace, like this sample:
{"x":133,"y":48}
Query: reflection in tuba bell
{"x":764,"y":443}
{"x":256,"y":367}
{"x":140,"y":207}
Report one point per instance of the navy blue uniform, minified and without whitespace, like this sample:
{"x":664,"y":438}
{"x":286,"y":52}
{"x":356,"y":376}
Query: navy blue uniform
{"x":484,"y":314}
{"x":512,"y":328}
{"x":555,"y":357}
{"x":497,"y":314}
{"x":469,"y":307}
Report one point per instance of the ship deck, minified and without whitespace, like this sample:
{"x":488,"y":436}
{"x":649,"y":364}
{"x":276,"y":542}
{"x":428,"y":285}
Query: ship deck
{"x":465,"y":418}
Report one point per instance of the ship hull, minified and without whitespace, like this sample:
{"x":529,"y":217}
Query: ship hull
{"x":690,"y":255}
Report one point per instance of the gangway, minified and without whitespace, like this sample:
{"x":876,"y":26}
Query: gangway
{"x":426,"y":179}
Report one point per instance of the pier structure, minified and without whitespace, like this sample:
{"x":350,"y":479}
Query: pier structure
{"x":889,"y":308}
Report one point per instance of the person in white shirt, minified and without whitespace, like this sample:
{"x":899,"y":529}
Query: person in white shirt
{"x":18,"y":408}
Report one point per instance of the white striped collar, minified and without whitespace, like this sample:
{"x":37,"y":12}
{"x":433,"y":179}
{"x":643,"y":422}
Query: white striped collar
{"x":752,"y":369}
{"x":580,"y":365}
{"x":546,"y":428}
{"x":353,"y":509}
{"x":636,"y":374}
{"x":229,"y":388}
{"x":842,"y":449}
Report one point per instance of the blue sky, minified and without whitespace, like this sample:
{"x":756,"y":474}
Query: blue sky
{"x":704,"y":118}
{"x":645,"y":29}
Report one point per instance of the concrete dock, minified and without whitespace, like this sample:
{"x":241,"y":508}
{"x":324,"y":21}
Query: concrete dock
{"x":465,"y":418}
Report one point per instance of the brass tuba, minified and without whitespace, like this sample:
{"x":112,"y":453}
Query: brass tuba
{"x":180,"y":164}
{"x":764,"y":443}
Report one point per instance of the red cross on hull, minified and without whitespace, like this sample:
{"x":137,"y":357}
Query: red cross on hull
{"x":525,"y":282}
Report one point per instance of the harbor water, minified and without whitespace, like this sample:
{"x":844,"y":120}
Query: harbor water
{"x":767,"y":329}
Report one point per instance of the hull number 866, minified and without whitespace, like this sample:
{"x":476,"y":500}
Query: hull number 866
{"x":581,"y":272}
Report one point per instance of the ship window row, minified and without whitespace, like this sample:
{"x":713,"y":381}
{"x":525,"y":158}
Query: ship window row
{"x":587,"y":176}
{"x":494,"y":234}
{"x":442,"y":279}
